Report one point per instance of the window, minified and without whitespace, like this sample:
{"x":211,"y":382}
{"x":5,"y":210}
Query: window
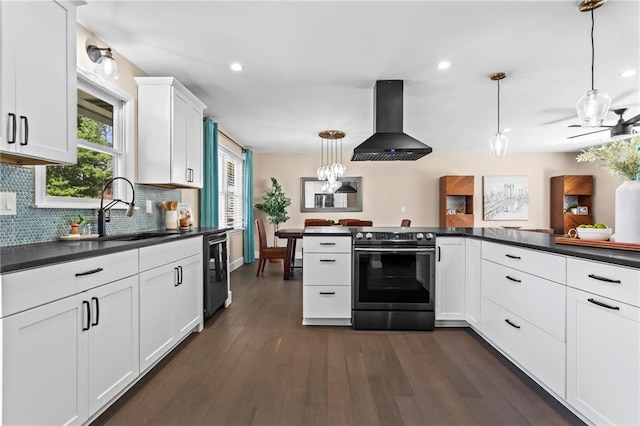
{"x":230,"y":185}
{"x":103,"y":126}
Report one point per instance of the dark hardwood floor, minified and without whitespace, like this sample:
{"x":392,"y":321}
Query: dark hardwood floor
{"x":255,"y":364}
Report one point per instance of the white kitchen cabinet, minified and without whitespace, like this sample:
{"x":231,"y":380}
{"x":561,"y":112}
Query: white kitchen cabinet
{"x":64,"y":358}
{"x":472,"y":282}
{"x":170,"y":139}
{"x":170,"y":296}
{"x":326,"y":278}
{"x":603,"y":342}
{"x":38,"y":109}
{"x":450,"y":278}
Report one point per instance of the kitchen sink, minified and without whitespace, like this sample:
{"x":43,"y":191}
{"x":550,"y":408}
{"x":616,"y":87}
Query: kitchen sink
{"x":138,"y":236}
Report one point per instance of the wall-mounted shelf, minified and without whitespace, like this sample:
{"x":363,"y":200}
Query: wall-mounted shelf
{"x":565,"y":191}
{"x":456,"y":201}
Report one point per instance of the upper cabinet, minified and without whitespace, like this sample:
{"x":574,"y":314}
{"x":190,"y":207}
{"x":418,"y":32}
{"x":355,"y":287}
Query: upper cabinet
{"x":38,"y":82}
{"x":170,"y":150}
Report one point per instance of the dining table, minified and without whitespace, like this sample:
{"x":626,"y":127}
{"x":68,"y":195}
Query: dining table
{"x":291,"y":235}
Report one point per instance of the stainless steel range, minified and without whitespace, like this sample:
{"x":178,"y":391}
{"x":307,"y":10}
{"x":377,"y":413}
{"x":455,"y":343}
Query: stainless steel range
{"x":393,"y":279}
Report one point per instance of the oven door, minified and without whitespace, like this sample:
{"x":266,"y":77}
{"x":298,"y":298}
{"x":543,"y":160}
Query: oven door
{"x":394,"y":278}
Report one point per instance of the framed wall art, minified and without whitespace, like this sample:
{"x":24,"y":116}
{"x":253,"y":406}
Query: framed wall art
{"x":505,"y":198}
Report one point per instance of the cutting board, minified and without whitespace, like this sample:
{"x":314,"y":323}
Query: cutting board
{"x":599,"y":244}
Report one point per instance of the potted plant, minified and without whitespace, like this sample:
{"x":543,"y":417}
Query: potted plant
{"x":621,"y":158}
{"x":274,"y":204}
{"x":80,"y":225}
{"x":573,"y":208}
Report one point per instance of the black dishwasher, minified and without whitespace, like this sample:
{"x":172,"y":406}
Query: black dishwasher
{"x":215,"y":272}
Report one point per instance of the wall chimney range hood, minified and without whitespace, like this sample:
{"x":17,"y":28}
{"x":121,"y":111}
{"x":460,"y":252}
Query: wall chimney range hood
{"x":389,"y":142}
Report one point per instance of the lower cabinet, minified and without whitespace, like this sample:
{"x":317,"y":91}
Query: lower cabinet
{"x":472,"y":282}
{"x":170,"y":298}
{"x":65,"y":360}
{"x":603,"y":358}
{"x":450,"y":278}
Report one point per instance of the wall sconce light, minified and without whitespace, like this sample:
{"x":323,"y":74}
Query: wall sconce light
{"x":106,"y":66}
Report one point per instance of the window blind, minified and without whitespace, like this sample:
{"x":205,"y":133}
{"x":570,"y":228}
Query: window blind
{"x":231,"y":198}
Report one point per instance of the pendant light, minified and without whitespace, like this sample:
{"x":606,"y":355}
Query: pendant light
{"x":332,"y":170}
{"x":594,"y":105}
{"x":499,"y":141}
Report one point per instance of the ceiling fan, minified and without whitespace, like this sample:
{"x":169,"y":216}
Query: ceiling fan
{"x":622,"y":129}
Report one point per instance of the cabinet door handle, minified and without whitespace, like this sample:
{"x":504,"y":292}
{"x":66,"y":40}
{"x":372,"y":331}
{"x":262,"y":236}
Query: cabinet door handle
{"x":327,"y":260}
{"x":327,"y":244}
{"x":515,"y":280}
{"x":179,"y":274}
{"x":328,"y":292}
{"x":439,"y":254}
{"x":86,"y":303}
{"x":25,"y":139}
{"x":511,"y":256}
{"x":93,"y":271}
{"x":95,"y":299}
{"x":176,"y":277}
{"x":605,"y":279}
{"x":14,"y":129}
{"x":604,"y":305}
{"x":511,"y":324}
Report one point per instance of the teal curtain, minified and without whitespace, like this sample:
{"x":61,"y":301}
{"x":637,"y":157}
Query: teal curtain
{"x":209,"y":192}
{"x":249,"y":250}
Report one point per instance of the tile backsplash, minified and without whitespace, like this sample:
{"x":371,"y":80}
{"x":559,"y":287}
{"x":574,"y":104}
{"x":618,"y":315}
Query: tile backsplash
{"x":33,"y":225}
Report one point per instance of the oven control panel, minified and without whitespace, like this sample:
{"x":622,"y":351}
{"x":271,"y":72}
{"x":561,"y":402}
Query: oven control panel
{"x":390,"y":237}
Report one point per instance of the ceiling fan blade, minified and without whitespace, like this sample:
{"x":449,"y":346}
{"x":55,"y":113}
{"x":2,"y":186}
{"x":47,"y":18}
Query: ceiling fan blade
{"x":585,"y":134}
{"x":604,"y":125}
{"x":632,"y":120}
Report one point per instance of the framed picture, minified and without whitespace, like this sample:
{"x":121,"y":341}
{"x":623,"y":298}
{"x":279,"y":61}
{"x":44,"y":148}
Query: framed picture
{"x":185,"y":213}
{"x":583,"y":210}
{"x":505,"y":198}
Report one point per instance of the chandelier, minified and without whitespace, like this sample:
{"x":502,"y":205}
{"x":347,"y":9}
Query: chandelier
{"x":330,"y":169}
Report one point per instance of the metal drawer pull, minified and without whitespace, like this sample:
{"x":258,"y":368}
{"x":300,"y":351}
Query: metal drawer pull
{"x":510,"y":256}
{"x":12,"y":117}
{"x":511,"y":324}
{"x":25,"y":138}
{"x":327,"y":260}
{"x":605,"y":279}
{"x":327,"y":244}
{"x":97,"y":311}
{"x":85,"y":302}
{"x":176,"y":277}
{"x":604,"y":305}
{"x":515,"y":280}
{"x":93,"y":271}
{"x":327,"y":292}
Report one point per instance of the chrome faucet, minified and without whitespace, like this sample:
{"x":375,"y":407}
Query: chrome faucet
{"x":102,"y":220}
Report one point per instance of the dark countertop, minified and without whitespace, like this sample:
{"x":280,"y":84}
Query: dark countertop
{"x":515,"y":237}
{"x":19,"y":257}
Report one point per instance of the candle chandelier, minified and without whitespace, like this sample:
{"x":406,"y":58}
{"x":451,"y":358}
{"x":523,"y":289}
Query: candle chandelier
{"x":330,"y":169}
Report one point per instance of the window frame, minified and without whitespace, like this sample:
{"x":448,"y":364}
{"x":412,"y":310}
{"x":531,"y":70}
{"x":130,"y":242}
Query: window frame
{"x":124,"y":125}
{"x":223,"y":187}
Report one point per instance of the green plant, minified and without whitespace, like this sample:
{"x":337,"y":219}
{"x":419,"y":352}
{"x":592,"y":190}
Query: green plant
{"x":80,"y":220}
{"x":621,"y":158}
{"x":274,"y":204}
{"x":571,"y":206}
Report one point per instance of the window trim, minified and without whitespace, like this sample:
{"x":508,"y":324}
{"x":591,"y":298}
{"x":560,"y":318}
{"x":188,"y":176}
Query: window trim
{"x":241,"y":159}
{"x":126,"y":126}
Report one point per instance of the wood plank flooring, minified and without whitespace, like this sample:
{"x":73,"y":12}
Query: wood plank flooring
{"x":255,"y":364}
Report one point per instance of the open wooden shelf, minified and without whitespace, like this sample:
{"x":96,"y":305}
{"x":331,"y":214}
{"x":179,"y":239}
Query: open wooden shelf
{"x":456,"y":194}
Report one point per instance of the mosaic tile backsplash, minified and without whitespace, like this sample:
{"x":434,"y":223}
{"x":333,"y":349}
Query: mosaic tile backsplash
{"x":34,"y":225}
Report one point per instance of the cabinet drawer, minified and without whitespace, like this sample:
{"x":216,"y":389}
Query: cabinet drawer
{"x":545,"y":265}
{"x":615,"y":282}
{"x":537,"y":352}
{"x":327,"y":269}
{"x":161,"y":254}
{"x":327,"y":244}
{"x":33,"y":287}
{"x":326,"y":302}
{"x":539,"y":301}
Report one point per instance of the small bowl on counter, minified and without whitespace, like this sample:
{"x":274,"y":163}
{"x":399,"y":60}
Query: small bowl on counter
{"x":595,"y":234}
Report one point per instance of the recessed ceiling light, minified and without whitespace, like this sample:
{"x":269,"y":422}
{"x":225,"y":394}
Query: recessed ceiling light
{"x":628,"y":73}
{"x":236,"y":66}
{"x":444,"y":65}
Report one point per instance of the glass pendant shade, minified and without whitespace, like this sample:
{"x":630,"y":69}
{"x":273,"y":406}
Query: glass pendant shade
{"x":499,"y":144}
{"x":107,"y":67}
{"x":332,"y":170}
{"x":592,"y":108}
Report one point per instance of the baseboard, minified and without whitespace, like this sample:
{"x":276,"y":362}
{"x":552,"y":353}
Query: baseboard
{"x":236,"y":264}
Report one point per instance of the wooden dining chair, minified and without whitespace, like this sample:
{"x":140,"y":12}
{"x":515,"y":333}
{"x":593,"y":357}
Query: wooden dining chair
{"x":358,"y":222}
{"x":343,"y":221}
{"x":317,"y":222}
{"x":266,"y":252}
{"x":405,"y":223}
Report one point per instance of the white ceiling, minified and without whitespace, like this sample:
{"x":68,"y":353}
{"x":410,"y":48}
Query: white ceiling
{"x":311,"y":66}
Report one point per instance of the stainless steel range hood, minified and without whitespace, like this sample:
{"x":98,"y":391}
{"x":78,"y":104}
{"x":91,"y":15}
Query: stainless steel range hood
{"x":389,"y":142}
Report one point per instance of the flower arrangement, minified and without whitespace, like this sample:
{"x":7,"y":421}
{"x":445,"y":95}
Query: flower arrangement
{"x":621,"y":158}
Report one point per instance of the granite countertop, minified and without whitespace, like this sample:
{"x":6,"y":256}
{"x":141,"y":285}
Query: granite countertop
{"x":515,"y":237}
{"x":19,"y":257}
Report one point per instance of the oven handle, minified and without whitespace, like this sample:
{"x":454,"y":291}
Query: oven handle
{"x":412,"y":250}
